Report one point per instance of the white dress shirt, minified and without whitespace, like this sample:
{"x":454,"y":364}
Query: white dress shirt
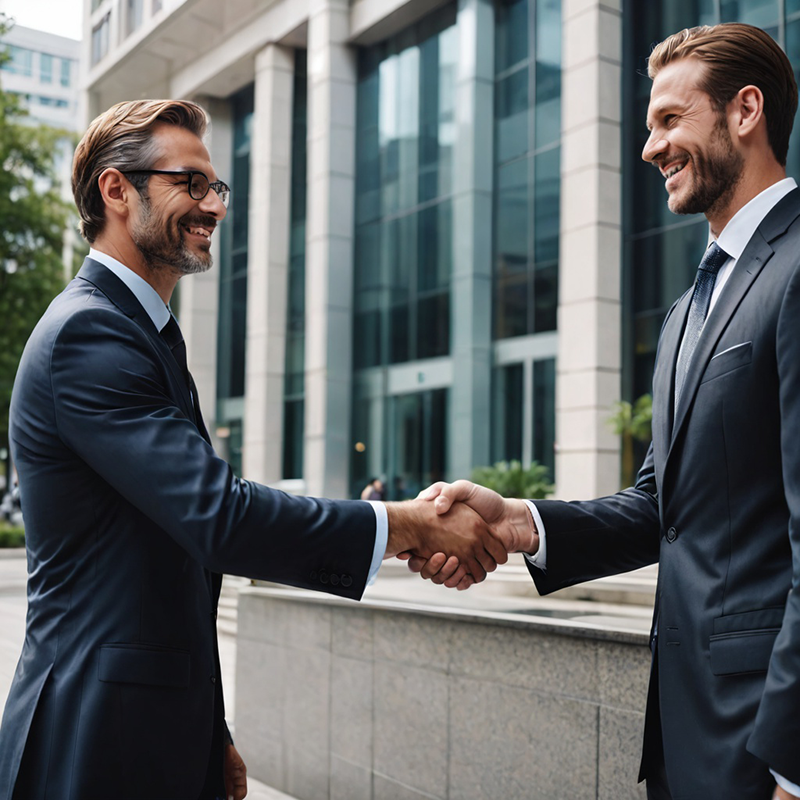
{"x":159,"y":313}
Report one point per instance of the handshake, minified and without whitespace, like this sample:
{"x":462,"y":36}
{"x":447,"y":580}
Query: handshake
{"x":456,"y":533}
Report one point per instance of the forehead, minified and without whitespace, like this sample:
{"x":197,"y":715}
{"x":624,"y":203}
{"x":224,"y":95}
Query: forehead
{"x":676,"y":87}
{"x":179,"y":148}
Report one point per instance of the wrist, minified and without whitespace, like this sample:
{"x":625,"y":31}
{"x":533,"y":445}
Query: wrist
{"x":404,"y":523}
{"x":527,"y":537}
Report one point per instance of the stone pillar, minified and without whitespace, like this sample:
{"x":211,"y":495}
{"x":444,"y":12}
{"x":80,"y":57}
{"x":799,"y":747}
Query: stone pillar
{"x":590,"y":314}
{"x":199,"y":294}
{"x":329,"y":248}
{"x":471,"y":297}
{"x":268,"y":264}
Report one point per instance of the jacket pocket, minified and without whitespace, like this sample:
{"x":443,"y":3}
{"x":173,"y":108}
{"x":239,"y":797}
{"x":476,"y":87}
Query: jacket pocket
{"x":728,"y":360}
{"x":743,"y":643}
{"x":144,"y":664}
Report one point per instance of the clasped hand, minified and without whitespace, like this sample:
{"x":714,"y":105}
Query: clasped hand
{"x":471,"y":530}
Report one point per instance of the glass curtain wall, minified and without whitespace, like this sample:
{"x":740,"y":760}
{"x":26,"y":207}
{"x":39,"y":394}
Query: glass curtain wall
{"x":405,"y":135}
{"x":526,"y":221}
{"x":233,"y":281}
{"x":404,"y":163}
{"x":662,"y":250}
{"x":294,"y":382}
{"x":527,"y":165}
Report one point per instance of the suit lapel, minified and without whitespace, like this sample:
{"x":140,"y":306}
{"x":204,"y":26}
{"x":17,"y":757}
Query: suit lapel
{"x":664,"y":377}
{"x":124,"y":299}
{"x":748,"y":267}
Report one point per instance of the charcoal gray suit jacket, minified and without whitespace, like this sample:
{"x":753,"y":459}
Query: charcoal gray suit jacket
{"x":130,"y":520}
{"x":717,"y":504}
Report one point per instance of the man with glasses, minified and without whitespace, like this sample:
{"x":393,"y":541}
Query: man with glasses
{"x":131,"y":518}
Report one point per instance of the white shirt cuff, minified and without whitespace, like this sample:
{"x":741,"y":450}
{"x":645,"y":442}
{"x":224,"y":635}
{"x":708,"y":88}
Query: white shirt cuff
{"x":539,"y":558}
{"x":381,"y":538}
{"x":787,"y":786}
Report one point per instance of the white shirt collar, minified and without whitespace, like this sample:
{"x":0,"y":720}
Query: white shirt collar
{"x":741,"y":227}
{"x":147,"y":296}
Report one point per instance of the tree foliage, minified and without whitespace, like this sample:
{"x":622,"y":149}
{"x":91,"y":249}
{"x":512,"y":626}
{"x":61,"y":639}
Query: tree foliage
{"x":34,"y":219}
{"x":511,"y":479}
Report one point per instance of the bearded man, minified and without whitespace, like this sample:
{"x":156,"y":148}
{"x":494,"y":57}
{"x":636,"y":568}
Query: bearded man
{"x":717,"y":501}
{"x":130,"y":516}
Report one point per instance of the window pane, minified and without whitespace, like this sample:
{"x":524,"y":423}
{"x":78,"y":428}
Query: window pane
{"x":544,"y":413}
{"x":507,"y":415}
{"x":761,"y":13}
{"x":66,"y":72}
{"x":511,"y":33}
{"x":46,"y":67}
{"x":548,"y":71}
{"x":433,"y":324}
{"x":511,"y":114}
{"x":293,"y":430}
{"x":547,"y":195}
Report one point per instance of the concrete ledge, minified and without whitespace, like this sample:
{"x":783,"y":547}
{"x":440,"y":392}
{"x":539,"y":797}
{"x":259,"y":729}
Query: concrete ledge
{"x":407,"y":699}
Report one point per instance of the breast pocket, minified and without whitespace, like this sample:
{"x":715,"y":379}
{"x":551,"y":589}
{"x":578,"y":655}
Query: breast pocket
{"x":740,"y":355}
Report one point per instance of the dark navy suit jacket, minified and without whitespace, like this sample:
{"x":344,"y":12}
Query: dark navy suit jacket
{"x":130,"y":520}
{"x":717,"y":504}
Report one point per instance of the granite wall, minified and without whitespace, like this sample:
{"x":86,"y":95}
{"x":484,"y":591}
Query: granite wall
{"x":378,"y":701}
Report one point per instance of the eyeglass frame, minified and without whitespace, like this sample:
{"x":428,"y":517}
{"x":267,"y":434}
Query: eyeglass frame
{"x":217,"y":186}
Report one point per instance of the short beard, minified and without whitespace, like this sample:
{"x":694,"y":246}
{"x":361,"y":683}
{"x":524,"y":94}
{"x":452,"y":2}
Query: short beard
{"x":717,"y":176}
{"x":162,"y":248}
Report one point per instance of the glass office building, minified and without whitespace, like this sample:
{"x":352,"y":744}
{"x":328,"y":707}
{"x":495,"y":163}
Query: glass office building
{"x":443,"y":248}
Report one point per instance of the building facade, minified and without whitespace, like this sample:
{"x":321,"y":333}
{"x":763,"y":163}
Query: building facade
{"x":442,"y":248}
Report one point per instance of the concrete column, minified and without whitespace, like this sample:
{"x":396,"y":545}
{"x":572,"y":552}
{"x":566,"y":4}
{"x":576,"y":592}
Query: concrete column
{"x":589,"y":314}
{"x":471,"y":298}
{"x":329,"y":248}
{"x":268,"y":264}
{"x":199,"y":294}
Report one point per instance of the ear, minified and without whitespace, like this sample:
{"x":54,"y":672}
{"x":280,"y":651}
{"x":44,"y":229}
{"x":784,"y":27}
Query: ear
{"x":748,"y":108}
{"x":116,"y":191}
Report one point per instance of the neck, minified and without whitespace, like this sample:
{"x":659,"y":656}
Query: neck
{"x":752,"y":183}
{"x":163,"y":280}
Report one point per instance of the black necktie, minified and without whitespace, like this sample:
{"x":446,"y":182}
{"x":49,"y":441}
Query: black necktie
{"x":172,"y":335}
{"x":714,"y":258}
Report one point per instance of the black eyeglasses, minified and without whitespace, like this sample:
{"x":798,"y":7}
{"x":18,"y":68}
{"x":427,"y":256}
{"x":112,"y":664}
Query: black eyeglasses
{"x":197,"y":183}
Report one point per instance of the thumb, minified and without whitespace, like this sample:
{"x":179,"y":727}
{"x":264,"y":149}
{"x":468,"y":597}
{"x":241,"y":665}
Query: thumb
{"x":432,"y":491}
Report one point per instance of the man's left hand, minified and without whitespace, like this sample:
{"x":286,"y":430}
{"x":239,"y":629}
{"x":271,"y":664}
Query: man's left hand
{"x":235,"y":775}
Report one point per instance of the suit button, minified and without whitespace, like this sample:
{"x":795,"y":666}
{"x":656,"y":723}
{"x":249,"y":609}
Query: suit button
{"x":212,"y":678}
{"x":323,"y":577}
{"x":334,"y":580}
{"x":672,"y":535}
{"x":347,"y":581}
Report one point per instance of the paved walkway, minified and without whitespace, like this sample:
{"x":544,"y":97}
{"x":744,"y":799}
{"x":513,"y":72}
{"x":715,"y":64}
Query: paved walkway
{"x":13,"y":605}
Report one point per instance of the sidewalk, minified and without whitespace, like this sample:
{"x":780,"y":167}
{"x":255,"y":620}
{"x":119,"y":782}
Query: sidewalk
{"x":13,"y":572}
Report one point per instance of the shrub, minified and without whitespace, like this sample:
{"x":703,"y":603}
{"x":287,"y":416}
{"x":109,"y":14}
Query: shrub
{"x":11,"y":536}
{"x":511,"y":479}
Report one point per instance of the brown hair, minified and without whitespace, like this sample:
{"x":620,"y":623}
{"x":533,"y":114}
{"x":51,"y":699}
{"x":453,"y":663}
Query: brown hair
{"x":122,"y":137}
{"x":738,"y":55}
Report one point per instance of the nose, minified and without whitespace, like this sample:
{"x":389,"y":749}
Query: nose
{"x":654,"y":145}
{"x":213,"y":206}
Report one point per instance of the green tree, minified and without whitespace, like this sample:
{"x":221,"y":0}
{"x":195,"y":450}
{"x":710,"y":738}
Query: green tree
{"x":632,"y":422}
{"x":511,"y":479}
{"x":34,"y":219}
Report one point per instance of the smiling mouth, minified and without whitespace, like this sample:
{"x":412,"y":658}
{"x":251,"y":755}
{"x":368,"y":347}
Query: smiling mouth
{"x":198,"y":231}
{"x":674,"y":170}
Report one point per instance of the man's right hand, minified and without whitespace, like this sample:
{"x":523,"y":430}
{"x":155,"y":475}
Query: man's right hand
{"x":417,"y":528}
{"x":509,"y":518}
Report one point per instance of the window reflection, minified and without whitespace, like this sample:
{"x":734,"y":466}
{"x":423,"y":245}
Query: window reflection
{"x":527,"y":166}
{"x":405,"y":137}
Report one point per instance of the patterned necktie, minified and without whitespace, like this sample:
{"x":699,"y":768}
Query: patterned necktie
{"x":714,"y":258}
{"x":171,"y":333}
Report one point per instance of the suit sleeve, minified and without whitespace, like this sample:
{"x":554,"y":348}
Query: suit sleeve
{"x":114,"y":410}
{"x":776,"y":737}
{"x":594,"y":538}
